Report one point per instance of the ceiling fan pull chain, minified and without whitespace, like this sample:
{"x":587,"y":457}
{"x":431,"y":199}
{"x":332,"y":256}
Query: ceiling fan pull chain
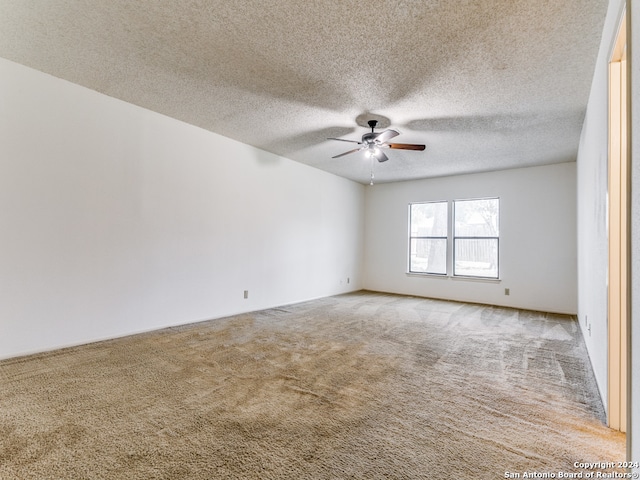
{"x":371,"y":182}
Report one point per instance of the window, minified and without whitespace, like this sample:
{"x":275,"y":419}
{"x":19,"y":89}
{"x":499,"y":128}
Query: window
{"x":428,"y":238}
{"x":465,"y":247}
{"x":475,"y":237}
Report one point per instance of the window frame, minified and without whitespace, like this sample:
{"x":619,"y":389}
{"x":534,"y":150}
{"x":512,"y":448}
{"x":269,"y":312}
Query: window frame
{"x":423,"y":237}
{"x":450,"y":239}
{"x":455,"y":237}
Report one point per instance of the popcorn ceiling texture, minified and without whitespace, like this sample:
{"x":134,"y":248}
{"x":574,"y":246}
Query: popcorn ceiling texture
{"x":362,"y":386}
{"x":484,"y":84}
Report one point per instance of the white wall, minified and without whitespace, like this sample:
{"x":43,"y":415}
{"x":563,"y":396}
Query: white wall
{"x":537,"y":237}
{"x":115,"y":220}
{"x":592,"y":209}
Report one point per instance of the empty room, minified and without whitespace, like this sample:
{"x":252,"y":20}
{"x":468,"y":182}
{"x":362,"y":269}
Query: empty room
{"x":386,"y":239}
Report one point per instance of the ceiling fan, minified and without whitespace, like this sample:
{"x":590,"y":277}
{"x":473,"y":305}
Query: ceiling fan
{"x":373,"y":142}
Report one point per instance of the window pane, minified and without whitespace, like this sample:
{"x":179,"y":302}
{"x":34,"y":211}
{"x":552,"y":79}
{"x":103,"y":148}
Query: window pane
{"x":476,"y":257}
{"x":476,"y":218}
{"x":429,"y":219}
{"x":428,"y":255}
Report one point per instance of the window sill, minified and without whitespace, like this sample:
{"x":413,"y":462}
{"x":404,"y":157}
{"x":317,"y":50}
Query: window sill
{"x":429,"y":275}
{"x":477,"y":279}
{"x":458,"y":278}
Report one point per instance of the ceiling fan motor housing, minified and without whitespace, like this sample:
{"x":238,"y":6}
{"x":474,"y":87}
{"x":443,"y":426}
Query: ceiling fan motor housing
{"x":369,"y":138}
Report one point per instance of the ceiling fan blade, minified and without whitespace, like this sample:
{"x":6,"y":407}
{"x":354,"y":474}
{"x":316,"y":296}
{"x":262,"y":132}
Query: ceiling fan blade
{"x":405,"y":146}
{"x":386,"y":135}
{"x":344,"y":140}
{"x":380,"y":156}
{"x":350,"y":151}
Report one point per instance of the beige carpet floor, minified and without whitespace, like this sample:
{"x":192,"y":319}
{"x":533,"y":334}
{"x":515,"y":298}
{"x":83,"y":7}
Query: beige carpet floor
{"x":360,"y":386}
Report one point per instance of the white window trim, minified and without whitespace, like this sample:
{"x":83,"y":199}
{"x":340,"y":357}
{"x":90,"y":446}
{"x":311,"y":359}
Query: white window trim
{"x":447,"y":253}
{"x":450,"y":245}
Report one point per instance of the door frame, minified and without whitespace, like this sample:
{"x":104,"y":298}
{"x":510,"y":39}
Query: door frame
{"x":618,"y":281}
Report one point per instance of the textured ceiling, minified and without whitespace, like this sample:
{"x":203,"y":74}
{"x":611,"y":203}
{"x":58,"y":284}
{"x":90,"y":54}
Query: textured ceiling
{"x":486,"y":85}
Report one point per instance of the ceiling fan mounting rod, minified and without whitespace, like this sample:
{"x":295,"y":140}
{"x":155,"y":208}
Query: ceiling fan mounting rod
{"x":372,"y":124}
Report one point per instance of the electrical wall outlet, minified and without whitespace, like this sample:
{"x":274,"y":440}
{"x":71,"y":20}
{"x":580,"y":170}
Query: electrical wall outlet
{"x":507,"y":291}
{"x":348,"y":280}
{"x":246,"y":294}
